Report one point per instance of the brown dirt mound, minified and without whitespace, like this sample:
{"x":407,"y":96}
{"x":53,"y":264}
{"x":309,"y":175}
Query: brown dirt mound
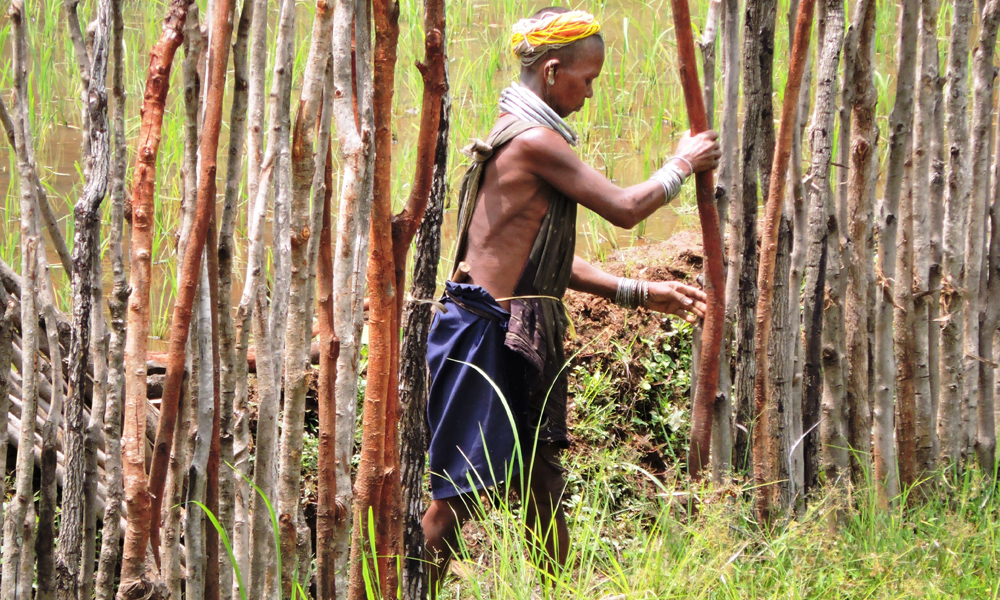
{"x":598,"y":320}
{"x":623,"y":345}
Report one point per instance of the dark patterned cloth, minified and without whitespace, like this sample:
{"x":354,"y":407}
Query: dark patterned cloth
{"x":475,"y":414}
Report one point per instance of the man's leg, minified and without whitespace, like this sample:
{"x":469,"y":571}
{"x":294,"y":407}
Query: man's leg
{"x":546,"y":519}
{"x":442,"y":525}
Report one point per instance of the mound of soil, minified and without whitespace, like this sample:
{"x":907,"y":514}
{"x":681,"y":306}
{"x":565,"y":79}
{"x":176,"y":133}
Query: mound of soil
{"x":624,"y":345}
{"x":680,"y":258}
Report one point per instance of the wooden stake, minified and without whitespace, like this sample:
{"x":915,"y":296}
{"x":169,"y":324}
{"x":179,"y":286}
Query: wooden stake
{"x":765,"y":454}
{"x":134,"y":581}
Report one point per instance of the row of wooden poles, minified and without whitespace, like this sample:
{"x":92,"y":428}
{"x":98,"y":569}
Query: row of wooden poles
{"x":859,"y":328}
{"x":856,"y":341}
{"x":155,"y":478}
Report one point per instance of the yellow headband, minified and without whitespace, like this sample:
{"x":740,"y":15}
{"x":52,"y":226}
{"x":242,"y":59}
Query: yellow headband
{"x":532,"y":38}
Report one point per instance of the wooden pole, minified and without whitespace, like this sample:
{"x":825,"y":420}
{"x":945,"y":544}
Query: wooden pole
{"x":764,"y":453}
{"x":134,"y":583}
{"x":715,"y":283}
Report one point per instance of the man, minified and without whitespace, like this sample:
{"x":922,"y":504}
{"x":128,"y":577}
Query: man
{"x":497,"y":403}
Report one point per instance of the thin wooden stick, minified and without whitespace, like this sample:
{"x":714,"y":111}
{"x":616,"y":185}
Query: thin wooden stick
{"x":229,"y":372}
{"x":950,"y":425}
{"x":382,"y":332}
{"x":85,"y":254}
{"x":134,"y":581}
{"x":353,"y":113}
{"x":722,"y":429}
{"x":765,"y":454}
{"x":218,"y":56}
{"x":304,"y":247}
{"x":886,"y":395}
{"x":22,"y":501}
{"x":715,"y":283}
{"x":983,"y":428}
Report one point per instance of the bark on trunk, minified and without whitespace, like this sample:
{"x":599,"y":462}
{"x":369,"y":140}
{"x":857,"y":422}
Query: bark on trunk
{"x":900,"y":129}
{"x":111,"y":530}
{"x":818,"y":243}
{"x":413,"y":364}
{"x":765,"y":455}
{"x":354,"y":130}
{"x":981,"y":427}
{"x":306,"y":163}
{"x":722,"y":429}
{"x":923,"y":296}
{"x":85,"y":254}
{"x":863,"y":154}
{"x":134,"y":582}
{"x":758,"y":55}
{"x":781,"y":368}
{"x":950,"y":426}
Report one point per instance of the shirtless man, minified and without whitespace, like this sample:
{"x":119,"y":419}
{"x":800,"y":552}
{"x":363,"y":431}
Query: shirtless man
{"x":513,"y":263}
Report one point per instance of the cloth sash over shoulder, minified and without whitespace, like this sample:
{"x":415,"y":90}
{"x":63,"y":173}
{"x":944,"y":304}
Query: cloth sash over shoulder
{"x":538,"y":320}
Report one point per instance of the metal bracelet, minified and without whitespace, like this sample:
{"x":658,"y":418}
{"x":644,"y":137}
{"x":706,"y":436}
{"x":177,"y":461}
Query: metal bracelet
{"x":631,"y":293}
{"x":686,"y":161}
{"x":671,"y":178}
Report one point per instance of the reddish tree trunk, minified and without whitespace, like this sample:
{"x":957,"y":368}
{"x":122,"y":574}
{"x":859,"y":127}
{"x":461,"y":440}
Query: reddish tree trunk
{"x":381,"y":388}
{"x":715,"y":283}
{"x":765,"y":453}
{"x":218,"y":55}
{"x":326,"y":509}
{"x":134,"y":583}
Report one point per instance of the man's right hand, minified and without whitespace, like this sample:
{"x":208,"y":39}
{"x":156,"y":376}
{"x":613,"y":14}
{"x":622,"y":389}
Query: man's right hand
{"x":702,"y":151}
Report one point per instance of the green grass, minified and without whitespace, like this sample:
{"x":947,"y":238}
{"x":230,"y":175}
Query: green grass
{"x":651,"y":548}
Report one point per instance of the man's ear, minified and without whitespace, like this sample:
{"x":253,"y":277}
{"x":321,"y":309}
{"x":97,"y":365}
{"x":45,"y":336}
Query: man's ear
{"x":549,"y":70}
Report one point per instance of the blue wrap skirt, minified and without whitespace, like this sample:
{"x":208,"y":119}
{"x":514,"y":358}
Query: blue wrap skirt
{"x":473,"y":413}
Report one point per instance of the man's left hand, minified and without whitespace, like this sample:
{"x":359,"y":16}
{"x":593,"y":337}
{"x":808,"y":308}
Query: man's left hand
{"x":675,"y":298}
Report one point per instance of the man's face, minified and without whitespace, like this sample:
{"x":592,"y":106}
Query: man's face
{"x":574,"y":77}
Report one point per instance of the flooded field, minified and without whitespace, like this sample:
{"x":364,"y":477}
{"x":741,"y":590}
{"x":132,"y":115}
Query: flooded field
{"x":627,"y":130}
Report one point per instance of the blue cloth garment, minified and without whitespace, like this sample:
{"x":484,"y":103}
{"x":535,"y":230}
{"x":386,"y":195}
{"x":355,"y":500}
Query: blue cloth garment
{"x":472,"y":437}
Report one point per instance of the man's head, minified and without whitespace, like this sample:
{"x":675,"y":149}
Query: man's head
{"x":561,"y":53}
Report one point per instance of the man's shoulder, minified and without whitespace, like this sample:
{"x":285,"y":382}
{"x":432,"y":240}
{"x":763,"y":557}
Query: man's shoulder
{"x":535,"y":143}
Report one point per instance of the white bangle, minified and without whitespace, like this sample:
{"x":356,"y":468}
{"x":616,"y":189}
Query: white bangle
{"x":686,"y":161}
{"x":671,"y":178}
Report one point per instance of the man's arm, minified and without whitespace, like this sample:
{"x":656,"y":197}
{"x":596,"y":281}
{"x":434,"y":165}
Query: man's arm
{"x":547,"y":155}
{"x":668,"y":297}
